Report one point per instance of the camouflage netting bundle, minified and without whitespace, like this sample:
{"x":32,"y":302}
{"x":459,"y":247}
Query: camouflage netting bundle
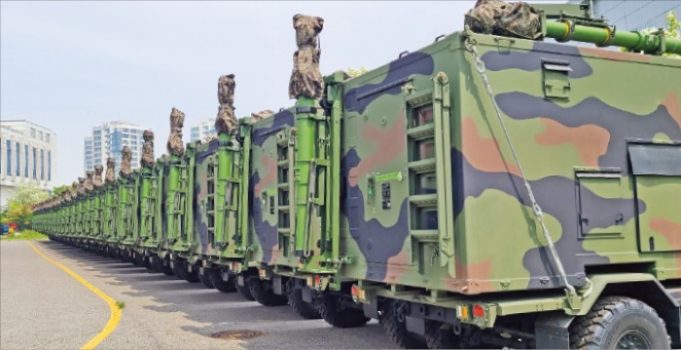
{"x":306,"y":79}
{"x":89,"y":186}
{"x":225,"y":122}
{"x":175,"y":144}
{"x":98,"y":183}
{"x":500,"y":18}
{"x":261,"y":115}
{"x":67,"y":195}
{"x":81,"y":186}
{"x":110,"y":176}
{"x":126,"y":165}
{"x":147,"y":160}
{"x":74,"y":190}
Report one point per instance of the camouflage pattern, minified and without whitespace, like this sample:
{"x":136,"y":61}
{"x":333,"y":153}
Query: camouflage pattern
{"x":175,"y":144}
{"x":126,"y":166}
{"x":81,"y":187}
{"x":500,"y":18}
{"x":89,"y":185}
{"x":110,"y":177}
{"x":306,"y":79}
{"x":97,"y":182}
{"x":225,"y":122}
{"x":147,"y":160}
{"x":256,"y":117}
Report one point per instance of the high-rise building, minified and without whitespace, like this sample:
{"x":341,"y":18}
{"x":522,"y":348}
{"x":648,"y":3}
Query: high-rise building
{"x":634,"y":15}
{"x":27,"y":155}
{"x":202,"y":130}
{"x":108,"y":139}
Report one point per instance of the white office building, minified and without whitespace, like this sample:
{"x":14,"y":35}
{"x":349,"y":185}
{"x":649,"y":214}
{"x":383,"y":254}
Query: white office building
{"x":202,"y":130}
{"x":27,"y":155}
{"x":108,"y":139}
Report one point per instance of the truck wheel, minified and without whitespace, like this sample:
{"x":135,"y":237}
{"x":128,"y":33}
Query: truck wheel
{"x":206,"y":278}
{"x":619,"y":322}
{"x":441,"y":336}
{"x":301,"y":307}
{"x":396,"y":327}
{"x":264,"y":294}
{"x":220,"y":284}
{"x":245,"y":290}
{"x":332,"y":310}
{"x":191,"y":277}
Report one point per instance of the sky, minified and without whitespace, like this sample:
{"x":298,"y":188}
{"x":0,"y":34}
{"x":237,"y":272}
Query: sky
{"x":70,"y":66}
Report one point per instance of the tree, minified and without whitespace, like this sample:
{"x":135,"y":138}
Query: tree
{"x":19,"y":205}
{"x":59,"y":190}
{"x":673,"y":31}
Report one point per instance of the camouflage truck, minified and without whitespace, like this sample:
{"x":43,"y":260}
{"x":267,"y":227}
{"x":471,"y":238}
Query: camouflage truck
{"x":490,"y":189}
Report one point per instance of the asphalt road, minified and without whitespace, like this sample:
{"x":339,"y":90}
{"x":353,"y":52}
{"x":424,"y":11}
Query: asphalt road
{"x":41,"y":306}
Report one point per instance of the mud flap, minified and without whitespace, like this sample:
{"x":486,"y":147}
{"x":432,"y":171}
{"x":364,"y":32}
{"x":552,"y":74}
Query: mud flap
{"x":415,"y":325}
{"x":276,"y":285}
{"x":240,"y":281}
{"x":371,"y":309}
{"x":551,"y":330}
{"x":306,"y":293}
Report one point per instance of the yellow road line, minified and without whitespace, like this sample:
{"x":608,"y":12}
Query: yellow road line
{"x":115,"y":311}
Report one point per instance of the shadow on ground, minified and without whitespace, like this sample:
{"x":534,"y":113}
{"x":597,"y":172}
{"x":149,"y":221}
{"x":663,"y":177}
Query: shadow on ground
{"x":281,"y":327}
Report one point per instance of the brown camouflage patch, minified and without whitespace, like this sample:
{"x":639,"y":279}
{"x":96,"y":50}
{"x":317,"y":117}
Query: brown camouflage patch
{"x":88,"y":185}
{"x":225,"y":122}
{"x":389,"y":144}
{"x":483,"y":154}
{"x":110,"y":171}
{"x":97,"y":182}
{"x":591,"y":141}
{"x":500,"y":18}
{"x":671,"y":102}
{"x":271,"y":178}
{"x":261,"y":115}
{"x":614,"y":55}
{"x":669,"y":229}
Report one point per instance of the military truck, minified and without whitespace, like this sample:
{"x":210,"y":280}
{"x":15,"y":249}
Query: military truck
{"x":490,"y":189}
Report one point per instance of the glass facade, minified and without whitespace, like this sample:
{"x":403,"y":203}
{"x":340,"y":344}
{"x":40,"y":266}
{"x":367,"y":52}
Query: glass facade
{"x":18,"y":148}
{"x":26,"y":161}
{"x":9,"y":157}
{"x":35,"y":161}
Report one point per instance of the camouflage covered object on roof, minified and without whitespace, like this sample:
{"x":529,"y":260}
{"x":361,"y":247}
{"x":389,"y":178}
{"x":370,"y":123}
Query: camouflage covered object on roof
{"x":88,"y":185}
{"x":500,"y":18}
{"x":306,"y":79}
{"x":97,"y":182}
{"x":262,"y":115}
{"x":175,"y":144}
{"x":126,"y":166}
{"x":110,"y":176}
{"x":225,"y":122}
{"x":81,"y":186}
{"x":147,"y":160}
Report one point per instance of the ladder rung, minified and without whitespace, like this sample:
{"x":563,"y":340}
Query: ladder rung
{"x":283,"y":163}
{"x":283,"y":186}
{"x":285,"y":231}
{"x":424,"y":200}
{"x":424,"y":235}
{"x":423,"y":165}
{"x":284,"y":208}
{"x":422,"y":131}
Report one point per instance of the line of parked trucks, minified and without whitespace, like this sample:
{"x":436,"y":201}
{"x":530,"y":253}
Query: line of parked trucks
{"x":490,"y":189}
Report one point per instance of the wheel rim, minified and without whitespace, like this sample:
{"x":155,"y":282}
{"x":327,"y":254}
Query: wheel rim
{"x":633,"y":340}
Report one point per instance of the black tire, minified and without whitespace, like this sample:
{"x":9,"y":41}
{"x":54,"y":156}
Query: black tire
{"x":617,"y":322}
{"x":332,"y":311}
{"x":193,"y":276}
{"x":166,"y":269}
{"x":206,"y":278}
{"x":441,"y":336}
{"x":264,"y":294}
{"x":301,"y":307}
{"x":396,"y":328}
{"x":220,"y":284}
{"x":245,"y":290}
{"x":178,"y":270}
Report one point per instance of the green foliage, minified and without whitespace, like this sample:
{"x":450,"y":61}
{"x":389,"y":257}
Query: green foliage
{"x":353,"y":73}
{"x":59,"y":190}
{"x":120,"y":305}
{"x":673,"y":31}
{"x":24,"y":235}
{"x":19,"y":205}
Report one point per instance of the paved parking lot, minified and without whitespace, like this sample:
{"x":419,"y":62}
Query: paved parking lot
{"x":41,"y":306}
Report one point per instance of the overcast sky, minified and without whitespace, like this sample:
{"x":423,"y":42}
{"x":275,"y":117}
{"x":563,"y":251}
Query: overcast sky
{"x":72,"y":65}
